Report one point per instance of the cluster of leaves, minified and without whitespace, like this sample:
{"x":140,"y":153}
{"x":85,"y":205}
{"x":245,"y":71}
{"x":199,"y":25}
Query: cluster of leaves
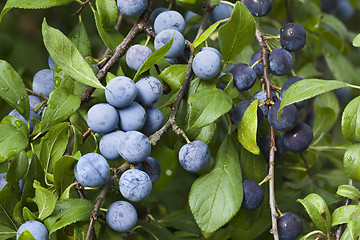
{"x":182,"y":205}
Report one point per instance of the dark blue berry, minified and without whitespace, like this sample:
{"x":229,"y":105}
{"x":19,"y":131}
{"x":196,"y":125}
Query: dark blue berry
{"x":253,"y":195}
{"x":289,"y":226}
{"x":280,"y":61}
{"x":288,"y":118}
{"x":299,"y":138}
{"x":292,"y":37}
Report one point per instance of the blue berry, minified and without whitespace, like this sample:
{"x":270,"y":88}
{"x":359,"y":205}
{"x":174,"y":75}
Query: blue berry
{"x":280,"y":61}
{"x":264,"y":145}
{"x":253,"y":195}
{"x":220,"y":12}
{"x":154,"y":121}
{"x":211,"y":49}
{"x":262,"y":96}
{"x":288,"y":117}
{"x":194,"y":156}
{"x":292,"y":37}
{"x":37,"y":230}
{"x":149,"y":91}
{"x":206,"y":65}
{"x":135,"y":147}
{"x":120,"y":92}
{"x":152,"y":167}
{"x":344,"y":10}
{"x":132,"y":7}
{"x":244,"y":76}
{"x":178,"y":45}
{"x":108,"y":144}
{"x":102,"y":118}
{"x":289,"y":226}
{"x":121,"y":216}
{"x":258,"y":68}
{"x":132,"y":117}
{"x":286,"y":85}
{"x":92,"y":170}
{"x":135,"y":185}
{"x":169,"y":20}
{"x":51,"y":63}
{"x":258,"y":8}
{"x":43,"y":82}
{"x":299,"y":138}
{"x":137,"y":55}
{"x":156,"y":13}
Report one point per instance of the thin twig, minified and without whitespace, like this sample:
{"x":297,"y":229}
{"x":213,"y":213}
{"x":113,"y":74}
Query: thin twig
{"x":37,"y":94}
{"x":341,"y":228}
{"x":86,"y":134}
{"x":266,"y":77}
{"x":81,"y":8}
{"x":101,"y":197}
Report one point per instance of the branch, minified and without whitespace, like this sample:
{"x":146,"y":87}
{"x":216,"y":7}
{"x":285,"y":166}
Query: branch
{"x":81,"y":8}
{"x":266,"y":77}
{"x":37,"y":94}
{"x":121,"y":49}
{"x":183,"y":88}
{"x":101,"y":197}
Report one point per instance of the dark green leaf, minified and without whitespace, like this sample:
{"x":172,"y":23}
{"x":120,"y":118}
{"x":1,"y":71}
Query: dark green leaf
{"x":44,"y":199}
{"x":181,"y":220}
{"x":350,"y":123}
{"x":106,"y":233}
{"x":154,"y":58}
{"x":53,"y":146}
{"x":12,"y":89}
{"x":335,"y":24}
{"x":67,"y":57}
{"x":31,"y":4}
{"x":68,"y":211}
{"x":247,"y":129}
{"x":61,"y":105}
{"x":308,"y":88}
{"x":108,"y":12}
{"x":80,"y":39}
{"x":18,"y":167}
{"x":207,"y":105}
{"x":318,"y":211}
{"x":110,"y":36}
{"x":356,"y":41}
{"x":230,"y":89}
{"x":236,"y":34}
{"x":173,"y":75}
{"x":206,"y":34}
{"x":352,"y":162}
{"x":354,"y":224}
{"x":6,"y":232}
{"x":12,"y":141}
{"x":203,"y":134}
{"x":7,"y":205}
{"x":327,"y":110}
{"x":156,"y":230}
{"x":342,"y":214}
{"x":253,"y":166}
{"x":64,"y":173}
{"x":217,"y":196}
{"x":349,"y":192}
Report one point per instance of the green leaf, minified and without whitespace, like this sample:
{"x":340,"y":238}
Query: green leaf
{"x":109,"y":35}
{"x":308,"y":88}
{"x":34,"y":4}
{"x":154,"y":58}
{"x":28,"y":215}
{"x":18,"y":167}
{"x":342,"y":214}
{"x":206,"y":106}
{"x":53,"y":146}
{"x":61,"y":105}
{"x":349,"y":192}
{"x":356,"y":41}
{"x":12,"y":89}
{"x":350,"y":122}
{"x":12,"y":141}
{"x":156,"y":230}
{"x":354,"y":224}
{"x":67,"y":57}
{"x":206,"y":34}
{"x":17,"y":123}
{"x":318,"y":211}
{"x":181,"y":220}
{"x":26,"y":235}
{"x":7,"y":206}
{"x":80,"y":39}
{"x":253,"y":166}
{"x":230,"y":89}
{"x":68,"y":211}
{"x":327,"y":110}
{"x":6,"y":232}
{"x":203,"y":134}
{"x":352,"y":162}
{"x":247,"y":129}
{"x":64,"y":173}
{"x":44,"y":199}
{"x":217,"y":196}
{"x":173,"y":76}
{"x":108,"y":12}
{"x":236,"y":34}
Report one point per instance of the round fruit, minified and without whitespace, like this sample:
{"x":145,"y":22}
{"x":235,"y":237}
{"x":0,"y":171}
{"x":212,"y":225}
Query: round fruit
{"x":206,"y":64}
{"x":149,"y":91}
{"x":289,"y":226}
{"x":299,"y":138}
{"x":288,"y":117}
{"x":154,"y":121}
{"x":37,"y":230}
{"x":132,"y":117}
{"x":262,"y":96}
{"x":102,"y":118}
{"x":178,"y":45}
{"x":152,"y":167}
{"x":194,"y":156}
{"x":244,"y":76}
{"x":169,"y":20}
{"x":264,"y":145}
{"x":280,"y":61}
{"x":135,"y":147}
{"x":137,"y":55}
{"x":132,"y":7}
{"x":258,"y":8}
{"x":135,"y":185}
{"x":156,"y":13}
{"x":253,"y":195}
{"x":43,"y":82}
{"x":121,"y":216}
{"x":108,"y":145}
{"x":220,"y":12}
{"x":292,"y":37}
{"x":120,"y":92}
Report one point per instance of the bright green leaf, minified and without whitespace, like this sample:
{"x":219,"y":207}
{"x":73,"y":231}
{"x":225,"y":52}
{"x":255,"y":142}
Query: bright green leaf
{"x":173,"y":76}
{"x":236,"y":34}
{"x":356,"y":41}
{"x":12,"y":89}
{"x":12,"y":141}
{"x":350,"y":123}
{"x":64,"y":173}
{"x":318,"y":211}
{"x":217,"y":196}
{"x":67,"y":57}
{"x":206,"y":34}
{"x":26,"y":235}
{"x":80,"y":39}
{"x":207,"y":105}
{"x":17,"y":123}
{"x":354,"y":224}
{"x":342,"y":214}
{"x":44,"y":199}
{"x":352,"y":162}
{"x":247,"y":129}
{"x":108,"y":12}
{"x":349,"y":192}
